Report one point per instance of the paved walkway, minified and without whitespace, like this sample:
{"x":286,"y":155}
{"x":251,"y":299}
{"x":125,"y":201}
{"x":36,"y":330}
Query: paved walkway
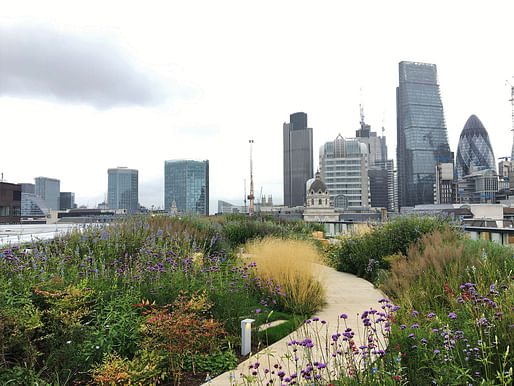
{"x":345,"y":293}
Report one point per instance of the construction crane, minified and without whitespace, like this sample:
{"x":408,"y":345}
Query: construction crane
{"x":511,"y":100}
{"x":251,"y":196}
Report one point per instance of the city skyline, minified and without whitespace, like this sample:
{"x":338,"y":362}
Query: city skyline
{"x":197,"y":82}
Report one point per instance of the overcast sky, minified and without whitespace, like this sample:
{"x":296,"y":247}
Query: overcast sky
{"x":84,"y":88}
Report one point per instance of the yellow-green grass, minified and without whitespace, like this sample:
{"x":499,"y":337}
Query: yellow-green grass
{"x":294,"y":265}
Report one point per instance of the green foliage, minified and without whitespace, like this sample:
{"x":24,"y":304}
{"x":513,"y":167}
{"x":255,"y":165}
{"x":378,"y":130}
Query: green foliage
{"x":238,"y":228}
{"x":212,"y":364}
{"x":462,"y":294}
{"x":113,"y":327}
{"x":145,"y":369}
{"x":21,"y":376}
{"x":273,"y":334}
{"x":363,"y":254}
{"x":69,"y":303}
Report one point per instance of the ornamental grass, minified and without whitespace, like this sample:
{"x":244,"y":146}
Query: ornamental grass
{"x":294,"y":266}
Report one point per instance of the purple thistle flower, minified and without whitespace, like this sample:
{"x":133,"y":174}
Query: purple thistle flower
{"x":344,"y":316}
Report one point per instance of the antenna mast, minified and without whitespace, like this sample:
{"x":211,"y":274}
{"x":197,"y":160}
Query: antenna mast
{"x":244,"y":197}
{"x":251,"y":196}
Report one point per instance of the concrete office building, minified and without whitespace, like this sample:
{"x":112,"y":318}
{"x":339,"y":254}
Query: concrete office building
{"x":421,"y":132}
{"x":49,"y":189}
{"x":186,"y":182}
{"x":380,"y":169}
{"x":123,"y":189}
{"x":344,"y":169}
{"x":298,"y":161}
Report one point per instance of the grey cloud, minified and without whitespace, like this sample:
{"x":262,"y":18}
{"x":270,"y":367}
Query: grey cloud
{"x":38,"y":62}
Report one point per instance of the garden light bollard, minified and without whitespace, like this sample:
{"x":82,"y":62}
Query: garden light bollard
{"x":246,"y":336}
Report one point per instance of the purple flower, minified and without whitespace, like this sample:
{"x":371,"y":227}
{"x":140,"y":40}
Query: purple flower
{"x":452,"y":315}
{"x":258,"y":310}
{"x":431,"y":315}
{"x":344,"y":316}
{"x":414,"y":313}
{"x":437,"y":352}
{"x":415,"y":326}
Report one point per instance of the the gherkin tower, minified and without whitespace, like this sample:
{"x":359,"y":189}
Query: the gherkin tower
{"x":474,"y":148}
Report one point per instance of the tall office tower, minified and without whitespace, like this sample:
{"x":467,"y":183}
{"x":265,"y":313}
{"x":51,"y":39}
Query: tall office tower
{"x":67,"y":200}
{"x":298,"y":161}
{"x":123,"y":189}
{"x":421,"y":131}
{"x":344,"y":169}
{"x":186,"y":183}
{"x":380,"y":169}
{"x":49,"y":189}
{"x":474,"y":148}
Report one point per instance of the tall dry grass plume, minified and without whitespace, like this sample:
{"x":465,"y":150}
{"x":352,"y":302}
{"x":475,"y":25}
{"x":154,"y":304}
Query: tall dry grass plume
{"x":296,"y":266}
{"x":430,"y":255}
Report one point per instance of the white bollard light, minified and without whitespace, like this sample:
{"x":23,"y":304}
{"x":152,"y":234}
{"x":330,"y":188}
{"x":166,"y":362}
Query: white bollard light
{"x":246,"y":336}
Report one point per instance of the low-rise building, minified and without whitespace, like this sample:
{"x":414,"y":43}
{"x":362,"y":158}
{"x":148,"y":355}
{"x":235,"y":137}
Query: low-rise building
{"x":10,"y":203}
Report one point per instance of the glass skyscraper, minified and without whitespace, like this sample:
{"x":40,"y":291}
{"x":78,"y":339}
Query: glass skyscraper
{"x":49,"y":189}
{"x":187,"y":183}
{"x":122,"y":189}
{"x":298,"y":161}
{"x":474,"y":148}
{"x":421,"y":131}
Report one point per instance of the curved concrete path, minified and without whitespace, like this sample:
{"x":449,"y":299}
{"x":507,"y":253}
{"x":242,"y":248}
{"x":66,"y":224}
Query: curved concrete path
{"x":345,"y":294}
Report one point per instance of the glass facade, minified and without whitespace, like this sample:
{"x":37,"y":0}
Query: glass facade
{"x":122,"y":189}
{"x":49,"y":189}
{"x":298,"y":161}
{"x":187,"y":183}
{"x":421,"y":132}
{"x":67,"y":200}
{"x":474,"y":148}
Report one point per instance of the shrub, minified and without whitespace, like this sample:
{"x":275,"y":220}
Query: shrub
{"x":182,"y":329}
{"x":293,"y":267}
{"x":363,"y":254}
{"x":145,"y":369}
{"x":238,"y":228}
